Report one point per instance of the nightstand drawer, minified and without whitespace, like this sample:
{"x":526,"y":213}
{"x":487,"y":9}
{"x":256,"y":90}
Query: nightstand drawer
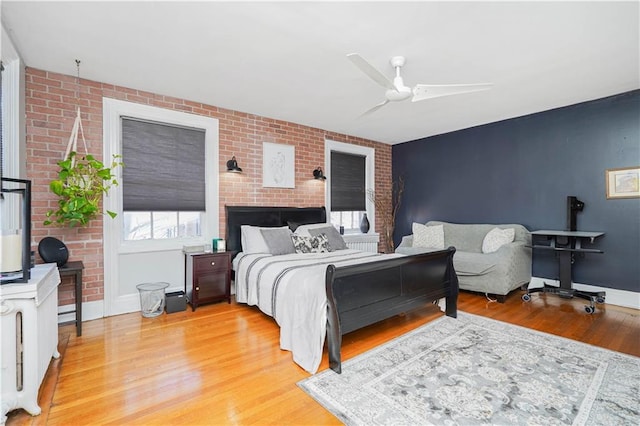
{"x":211,"y":263}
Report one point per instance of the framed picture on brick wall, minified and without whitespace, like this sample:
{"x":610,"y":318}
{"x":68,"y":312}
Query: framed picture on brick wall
{"x":278,"y":165}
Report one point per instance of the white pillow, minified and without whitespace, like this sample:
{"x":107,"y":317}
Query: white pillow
{"x":496,"y":238}
{"x":428,"y":236}
{"x":252,"y":240}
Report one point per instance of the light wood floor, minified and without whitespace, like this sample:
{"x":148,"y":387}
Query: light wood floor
{"x":221,"y":364}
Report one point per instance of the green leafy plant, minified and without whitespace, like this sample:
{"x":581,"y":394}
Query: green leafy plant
{"x":81,"y":183}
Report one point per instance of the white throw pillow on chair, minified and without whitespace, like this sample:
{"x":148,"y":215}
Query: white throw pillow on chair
{"x":496,"y":238}
{"x":428,"y":236}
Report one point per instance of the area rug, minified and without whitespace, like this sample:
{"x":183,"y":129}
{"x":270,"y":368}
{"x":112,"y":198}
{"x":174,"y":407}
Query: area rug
{"x":473,"y":370}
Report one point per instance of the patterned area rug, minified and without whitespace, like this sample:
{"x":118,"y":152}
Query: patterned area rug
{"x":473,"y":370}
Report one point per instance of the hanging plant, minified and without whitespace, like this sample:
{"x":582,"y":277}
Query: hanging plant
{"x":82,"y":180}
{"x":81,"y":183}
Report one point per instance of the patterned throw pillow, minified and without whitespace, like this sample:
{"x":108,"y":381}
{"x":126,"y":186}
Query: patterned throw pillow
{"x":496,"y":238}
{"x":428,"y":236}
{"x":317,"y":244}
{"x":333,"y":236}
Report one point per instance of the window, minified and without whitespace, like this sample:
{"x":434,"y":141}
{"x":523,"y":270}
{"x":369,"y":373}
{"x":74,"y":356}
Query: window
{"x":12,"y":151}
{"x":1,"y":120}
{"x":168,"y":192}
{"x":161,"y":225}
{"x":163,"y":181}
{"x":347,"y":182}
{"x":348,"y":195}
{"x":351,"y":174}
{"x":349,"y":220}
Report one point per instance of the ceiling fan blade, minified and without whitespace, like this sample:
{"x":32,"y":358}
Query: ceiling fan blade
{"x":369,"y":70}
{"x":429,"y":91}
{"x":375,"y":108}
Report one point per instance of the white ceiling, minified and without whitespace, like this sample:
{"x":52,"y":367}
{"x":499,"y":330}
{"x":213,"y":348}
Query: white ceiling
{"x":287,"y":60}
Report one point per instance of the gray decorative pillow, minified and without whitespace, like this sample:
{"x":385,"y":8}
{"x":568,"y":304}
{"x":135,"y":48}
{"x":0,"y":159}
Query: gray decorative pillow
{"x":293,"y":225}
{"x":304,"y":244}
{"x":335,"y":239}
{"x":278,"y":240}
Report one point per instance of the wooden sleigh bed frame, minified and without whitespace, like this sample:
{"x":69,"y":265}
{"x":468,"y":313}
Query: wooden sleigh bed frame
{"x":361,"y":295}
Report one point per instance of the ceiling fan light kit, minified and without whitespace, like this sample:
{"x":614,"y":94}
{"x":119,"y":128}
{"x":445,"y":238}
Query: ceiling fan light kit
{"x":398,"y":91}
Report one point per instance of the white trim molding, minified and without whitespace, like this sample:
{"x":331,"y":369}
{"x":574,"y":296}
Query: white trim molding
{"x":14,"y":151}
{"x":370,"y":175}
{"x":114,"y":244}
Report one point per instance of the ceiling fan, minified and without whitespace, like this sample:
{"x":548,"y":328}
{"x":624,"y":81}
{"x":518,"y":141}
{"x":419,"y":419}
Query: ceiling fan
{"x":397,"y":91}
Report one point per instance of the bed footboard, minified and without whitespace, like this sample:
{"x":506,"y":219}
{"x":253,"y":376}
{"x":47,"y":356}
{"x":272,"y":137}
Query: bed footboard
{"x":360,"y":295}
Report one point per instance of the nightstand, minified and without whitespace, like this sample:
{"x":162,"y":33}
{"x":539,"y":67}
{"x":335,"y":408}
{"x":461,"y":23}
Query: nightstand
{"x":207,"y":277}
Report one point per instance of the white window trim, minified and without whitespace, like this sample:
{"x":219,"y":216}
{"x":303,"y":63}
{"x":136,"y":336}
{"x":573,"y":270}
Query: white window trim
{"x":112,"y":111}
{"x":370,"y":162}
{"x":13,"y":119}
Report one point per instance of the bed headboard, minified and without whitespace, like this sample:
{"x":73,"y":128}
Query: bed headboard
{"x":267,"y":216}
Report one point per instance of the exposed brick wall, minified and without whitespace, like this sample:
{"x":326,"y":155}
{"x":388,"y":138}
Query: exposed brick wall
{"x":51,"y":106}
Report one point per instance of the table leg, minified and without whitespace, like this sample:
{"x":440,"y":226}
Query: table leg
{"x":79,"y":303}
{"x":565,"y":269}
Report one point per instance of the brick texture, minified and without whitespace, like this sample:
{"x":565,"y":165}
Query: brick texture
{"x":51,"y":105}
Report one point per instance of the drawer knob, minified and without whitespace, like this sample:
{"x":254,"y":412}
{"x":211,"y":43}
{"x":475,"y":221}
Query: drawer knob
{"x":213,"y":263}
{"x":197,"y":288}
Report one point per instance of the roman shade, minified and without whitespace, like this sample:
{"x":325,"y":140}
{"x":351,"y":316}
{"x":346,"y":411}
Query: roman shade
{"x":164,"y":167}
{"x":347,"y":182}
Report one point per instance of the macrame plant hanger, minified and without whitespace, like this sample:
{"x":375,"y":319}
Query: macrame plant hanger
{"x":77,"y":125}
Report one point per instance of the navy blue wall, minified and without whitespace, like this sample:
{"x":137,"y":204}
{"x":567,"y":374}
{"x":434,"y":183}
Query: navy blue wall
{"x":522,"y":170}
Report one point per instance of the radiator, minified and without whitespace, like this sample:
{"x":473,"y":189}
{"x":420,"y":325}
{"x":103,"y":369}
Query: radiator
{"x":28,"y":321}
{"x":363,"y":242}
{"x":363,"y":246}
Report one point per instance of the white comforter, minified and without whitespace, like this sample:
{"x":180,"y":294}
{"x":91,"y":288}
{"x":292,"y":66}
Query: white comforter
{"x":291,"y":289}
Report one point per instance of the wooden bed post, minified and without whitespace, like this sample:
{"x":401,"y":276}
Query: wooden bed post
{"x":451,"y":309}
{"x":334,"y":331}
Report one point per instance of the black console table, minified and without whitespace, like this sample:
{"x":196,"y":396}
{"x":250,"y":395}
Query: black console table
{"x":567,"y":244}
{"x":74,"y":269}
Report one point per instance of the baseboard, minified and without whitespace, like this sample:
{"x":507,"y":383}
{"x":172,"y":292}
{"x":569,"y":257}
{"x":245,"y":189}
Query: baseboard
{"x":90,"y":311}
{"x":627,"y":299}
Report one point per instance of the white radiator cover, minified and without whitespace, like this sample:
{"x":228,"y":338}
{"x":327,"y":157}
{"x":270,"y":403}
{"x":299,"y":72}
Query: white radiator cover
{"x":364,"y":242}
{"x":37,"y":304}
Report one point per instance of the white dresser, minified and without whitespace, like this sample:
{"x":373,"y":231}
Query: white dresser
{"x":29,"y":326}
